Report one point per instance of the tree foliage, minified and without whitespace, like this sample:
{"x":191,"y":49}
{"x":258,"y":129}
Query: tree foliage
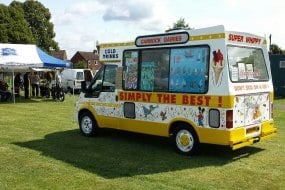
{"x":13,"y":26}
{"x":27,"y":22}
{"x":179,"y":24}
{"x":80,"y":65}
{"x":38,"y":18}
{"x":275,"y":49}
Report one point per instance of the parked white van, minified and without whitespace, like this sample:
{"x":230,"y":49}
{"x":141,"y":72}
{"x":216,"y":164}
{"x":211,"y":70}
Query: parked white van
{"x":71,"y":78}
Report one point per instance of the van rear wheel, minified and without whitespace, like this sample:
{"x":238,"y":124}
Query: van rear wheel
{"x":88,"y":125}
{"x":185,"y":140}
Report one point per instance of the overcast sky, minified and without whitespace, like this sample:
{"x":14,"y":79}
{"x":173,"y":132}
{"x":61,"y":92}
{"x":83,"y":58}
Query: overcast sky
{"x":80,"y":23}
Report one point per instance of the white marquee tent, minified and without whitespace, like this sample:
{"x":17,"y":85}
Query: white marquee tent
{"x":23,"y":57}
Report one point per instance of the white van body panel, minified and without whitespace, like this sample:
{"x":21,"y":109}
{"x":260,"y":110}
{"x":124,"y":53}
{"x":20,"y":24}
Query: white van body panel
{"x":71,"y":78}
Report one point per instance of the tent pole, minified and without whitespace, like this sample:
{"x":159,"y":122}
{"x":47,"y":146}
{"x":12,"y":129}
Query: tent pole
{"x":13,"y":84}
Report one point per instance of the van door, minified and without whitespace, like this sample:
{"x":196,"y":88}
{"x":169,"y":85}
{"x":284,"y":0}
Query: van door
{"x":102,"y":97}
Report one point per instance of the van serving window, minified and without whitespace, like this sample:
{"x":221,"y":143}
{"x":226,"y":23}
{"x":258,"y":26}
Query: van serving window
{"x":189,"y":69}
{"x":246,"y":64}
{"x":183,"y":69}
{"x":130,"y":71}
{"x":154,"y":72}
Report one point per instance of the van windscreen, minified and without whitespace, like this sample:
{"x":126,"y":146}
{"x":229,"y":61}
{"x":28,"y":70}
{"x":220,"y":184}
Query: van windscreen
{"x":79,"y":76}
{"x":246,"y":64}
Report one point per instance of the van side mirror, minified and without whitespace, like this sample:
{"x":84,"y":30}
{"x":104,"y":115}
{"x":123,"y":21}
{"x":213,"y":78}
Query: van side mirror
{"x":83,"y":86}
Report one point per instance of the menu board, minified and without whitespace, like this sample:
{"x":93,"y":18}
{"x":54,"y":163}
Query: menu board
{"x":131,"y":72}
{"x":147,"y":76}
{"x":188,"y":69}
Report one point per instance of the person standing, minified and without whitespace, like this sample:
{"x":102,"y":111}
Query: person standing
{"x":26,"y":85}
{"x":4,"y":93}
{"x":58,"y":79}
{"x":88,"y":77}
{"x":35,"y":84}
{"x":18,"y":84}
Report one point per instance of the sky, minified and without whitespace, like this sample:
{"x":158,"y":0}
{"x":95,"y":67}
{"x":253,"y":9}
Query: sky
{"x":80,"y":24}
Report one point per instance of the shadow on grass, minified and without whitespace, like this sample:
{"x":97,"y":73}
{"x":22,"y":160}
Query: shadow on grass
{"x":116,"y":154}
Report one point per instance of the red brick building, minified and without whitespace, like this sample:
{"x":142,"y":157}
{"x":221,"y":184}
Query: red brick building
{"x":91,"y":59}
{"x":61,"y":54}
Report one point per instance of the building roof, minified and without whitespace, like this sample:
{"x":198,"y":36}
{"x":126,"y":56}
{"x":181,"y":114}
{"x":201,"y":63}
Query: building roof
{"x":89,"y":55}
{"x":61,"y":54}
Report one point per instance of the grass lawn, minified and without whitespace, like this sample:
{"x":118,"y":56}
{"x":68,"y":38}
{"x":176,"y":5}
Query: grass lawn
{"x":41,"y":148}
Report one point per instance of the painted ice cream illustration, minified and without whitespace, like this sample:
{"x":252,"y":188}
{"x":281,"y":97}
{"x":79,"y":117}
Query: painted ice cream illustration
{"x":257,"y":114}
{"x":201,"y":116}
{"x":218,"y":65}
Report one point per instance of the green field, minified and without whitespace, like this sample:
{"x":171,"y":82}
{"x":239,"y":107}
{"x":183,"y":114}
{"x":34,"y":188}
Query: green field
{"x":41,"y":148}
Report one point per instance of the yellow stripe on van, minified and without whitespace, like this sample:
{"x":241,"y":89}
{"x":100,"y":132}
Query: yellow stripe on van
{"x":192,"y":38}
{"x":207,"y":37}
{"x":112,"y":61}
{"x":117,"y":44}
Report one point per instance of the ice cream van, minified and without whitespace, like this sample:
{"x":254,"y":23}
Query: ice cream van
{"x":197,"y":86}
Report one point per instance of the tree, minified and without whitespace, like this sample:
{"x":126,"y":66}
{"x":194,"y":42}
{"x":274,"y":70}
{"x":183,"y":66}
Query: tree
{"x":13,"y":26}
{"x":180,"y":24}
{"x":80,"y":65}
{"x":38,"y":19}
{"x":4,"y":23}
{"x":275,"y":49}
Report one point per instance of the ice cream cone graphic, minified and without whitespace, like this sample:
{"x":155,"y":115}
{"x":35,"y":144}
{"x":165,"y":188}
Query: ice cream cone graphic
{"x":218,"y":65}
{"x":217,"y":72}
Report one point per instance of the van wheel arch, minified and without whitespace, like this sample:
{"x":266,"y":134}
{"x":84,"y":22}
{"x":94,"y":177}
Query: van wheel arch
{"x":184,"y":138}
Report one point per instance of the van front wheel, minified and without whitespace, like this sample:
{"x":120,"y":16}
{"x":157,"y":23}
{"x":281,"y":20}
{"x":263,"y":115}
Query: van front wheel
{"x":88,"y":125}
{"x":185,"y":140}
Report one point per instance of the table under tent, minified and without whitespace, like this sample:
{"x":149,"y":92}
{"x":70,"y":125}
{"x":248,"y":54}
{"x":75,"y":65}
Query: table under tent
{"x":26,"y":58}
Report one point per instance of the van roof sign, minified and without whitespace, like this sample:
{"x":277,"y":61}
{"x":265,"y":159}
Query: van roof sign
{"x":162,"y":39}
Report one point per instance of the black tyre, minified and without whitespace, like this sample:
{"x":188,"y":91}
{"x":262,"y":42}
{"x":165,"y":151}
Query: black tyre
{"x":185,"y":140}
{"x":88,"y":125}
{"x":61,"y":96}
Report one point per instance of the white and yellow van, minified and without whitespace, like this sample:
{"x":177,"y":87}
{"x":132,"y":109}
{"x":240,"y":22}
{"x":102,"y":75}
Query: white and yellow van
{"x":198,"y":86}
